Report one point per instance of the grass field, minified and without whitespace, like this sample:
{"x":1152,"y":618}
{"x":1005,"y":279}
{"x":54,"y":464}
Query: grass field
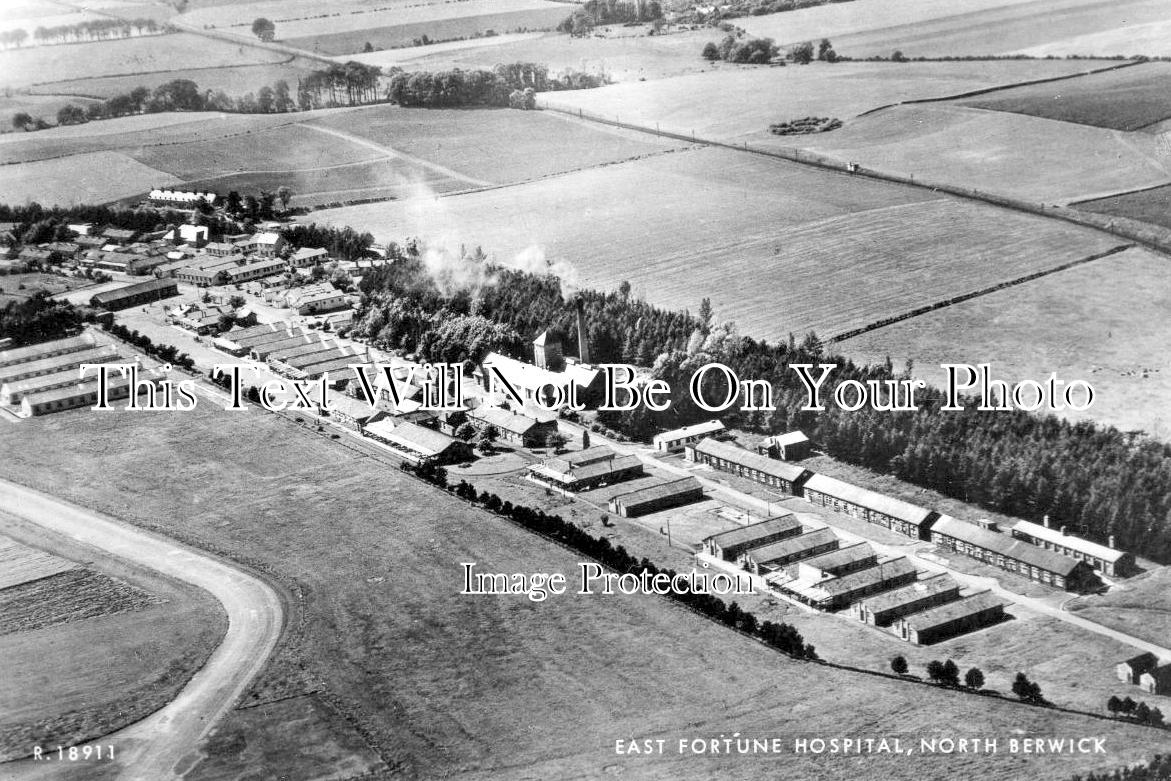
{"x":94,"y":648}
{"x":88,"y":178}
{"x":494,"y":687}
{"x":1125,"y":99}
{"x":20,"y":286}
{"x":994,"y":151}
{"x":1101,"y":322}
{"x":1153,"y":205}
{"x":45,"y":106}
{"x":234,"y":81}
{"x":735,"y":101}
{"x":980,"y":28}
{"x":779,"y":248}
{"x":545,"y":16}
{"x":1140,"y":606}
{"x":181,"y":51}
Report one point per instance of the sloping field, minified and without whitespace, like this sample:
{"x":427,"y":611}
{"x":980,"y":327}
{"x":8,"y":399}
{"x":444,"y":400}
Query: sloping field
{"x":97,"y":177}
{"x":1125,"y":99}
{"x":500,"y":687}
{"x":544,"y":16}
{"x":181,"y":51}
{"x":498,"y":146}
{"x":732,"y":102}
{"x":1003,"y":28}
{"x":1152,"y":206}
{"x":779,"y":248}
{"x":21,"y":564}
{"x":994,"y":151}
{"x":1152,"y":39}
{"x":69,"y":595}
{"x":232,"y":80}
{"x":1102,"y":322}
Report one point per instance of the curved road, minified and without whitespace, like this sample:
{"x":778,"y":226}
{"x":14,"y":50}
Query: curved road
{"x":165,"y":744}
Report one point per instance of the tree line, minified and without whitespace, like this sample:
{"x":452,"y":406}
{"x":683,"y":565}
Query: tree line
{"x":90,"y":30}
{"x":602,"y":12}
{"x":496,"y":87}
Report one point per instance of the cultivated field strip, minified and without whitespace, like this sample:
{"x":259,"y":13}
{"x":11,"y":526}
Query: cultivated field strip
{"x":72,"y":595}
{"x":22,"y":564}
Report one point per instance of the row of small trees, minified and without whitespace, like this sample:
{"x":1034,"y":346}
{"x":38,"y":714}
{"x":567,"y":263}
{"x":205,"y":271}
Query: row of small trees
{"x":947,"y":673}
{"x":91,"y":30}
{"x":781,"y":636}
{"x":1138,"y":711}
{"x":737,"y":48}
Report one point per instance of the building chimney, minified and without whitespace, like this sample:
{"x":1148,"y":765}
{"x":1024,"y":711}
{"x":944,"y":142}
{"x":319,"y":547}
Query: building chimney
{"x":583,"y":350}
{"x":1064,"y":531}
{"x":1045,"y":521}
{"x":1111,"y":541}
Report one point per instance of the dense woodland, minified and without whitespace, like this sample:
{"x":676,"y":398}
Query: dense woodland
{"x":1096,"y":480}
{"x":37,"y":319}
{"x":480,"y":87}
{"x":595,"y":13}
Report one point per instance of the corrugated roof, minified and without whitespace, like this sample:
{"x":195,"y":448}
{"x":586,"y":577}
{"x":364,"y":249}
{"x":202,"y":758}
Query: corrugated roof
{"x":871,"y":500}
{"x":1018,"y":550}
{"x":707,"y":427}
{"x":73,"y":391}
{"x":100,"y":354}
{"x":864,"y":578}
{"x":503,"y":419}
{"x":936,"y":584}
{"x":425,"y":441}
{"x":953,"y":611}
{"x":792,"y":546}
{"x":1103,"y":552}
{"x":842,"y":556}
{"x":756,"y":531}
{"x":588,"y":471}
{"x":750,"y":460}
{"x":33,"y":351}
{"x":788,"y":438}
{"x":653,"y":493}
{"x":150,"y":286}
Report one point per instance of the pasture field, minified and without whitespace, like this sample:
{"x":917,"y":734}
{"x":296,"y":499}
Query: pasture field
{"x":778,"y":247}
{"x":1153,"y":205}
{"x":1152,"y":39}
{"x":234,"y":81}
{"x":550,"y":685}
{"x":733,"y":101}
{"x":1101,"y":322}
{"x":397,"y":33}
{"x":1125,"y":99}
{"x":1140,"y":605}
{"x":97,"y":177}
{"x":994,"y":151}
{"x":180,"y":51}
{"x":11,"y":285}
{"x":92,"y":649}
{"x":497,"y":146}
{"x":1047,"y":27}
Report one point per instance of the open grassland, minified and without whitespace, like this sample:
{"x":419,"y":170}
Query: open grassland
{"x":545,"y":16}
{"x":731,"y":101}
{"x":994,"y":151}
{"x":234,"y":81}
{"x":1140,"y":605}
{"x":37,"y":64}
{"x":1042,"y":27}
{"x":1152,"y":39}
{"x":497,"y":146}
{"x":90,"y":650}
{"x":97,"y":177}
{"x":1102,"y":322}
{"x":1151,"y":205}
{"x":493,"y":687}
{"x":1124,"y":99}
{"x":778,"y":247}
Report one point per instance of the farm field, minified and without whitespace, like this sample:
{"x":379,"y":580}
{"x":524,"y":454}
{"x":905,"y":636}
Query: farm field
{"x":233,"y":81}
{"x":1152,"y":39}
{"x":75,"y":667}
{"x":1153,"y":205}
{"x":1125,"y":99}
{"x":397,"y":32}
{"x":994,"y":151}
{"x":45,"y":106}
{"x":179,"y":51}
{"x":1101,"y":322}
{"x":1048,"y":26}
{"x":22,"y":564}
{"x":730,"y":102}
{"x":763,"y":238}
{"x":552,"y":684}
{"x":88,"y":178}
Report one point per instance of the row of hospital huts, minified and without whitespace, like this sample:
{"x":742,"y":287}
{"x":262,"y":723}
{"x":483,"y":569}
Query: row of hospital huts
{"x":1036,"y":551}
{"x":812,"y":566}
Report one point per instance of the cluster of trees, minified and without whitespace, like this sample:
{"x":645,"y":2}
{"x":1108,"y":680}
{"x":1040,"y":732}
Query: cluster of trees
{"x":38,"y":319}
{"x":602,"y":12}
{"x":345,"y":243}
{"x":781,"y":636}
{"x":1158,"y":769}
{"x":91,"y":30}
{"x":351,"y":84}
{"x":263,"y":28}
{"x":496,"y":87}
{"x":734,"y":48}
{"x":37,"y":224}
{"x":164,"y":352}
{"x":1139,"y":711}
{"x":945,"y":673}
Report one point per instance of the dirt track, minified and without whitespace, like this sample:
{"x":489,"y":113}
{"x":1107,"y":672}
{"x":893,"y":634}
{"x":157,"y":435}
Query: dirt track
{"x":165,"y":744}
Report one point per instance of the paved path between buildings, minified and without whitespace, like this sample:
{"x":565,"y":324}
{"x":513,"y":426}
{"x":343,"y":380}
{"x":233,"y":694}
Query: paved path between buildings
{"x":152,"y":749}
{"x":912,"y":548}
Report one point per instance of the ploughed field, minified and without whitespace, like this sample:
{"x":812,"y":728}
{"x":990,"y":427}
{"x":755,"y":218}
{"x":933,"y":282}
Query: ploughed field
{"x":1151,"y":205}
{"x":778,"y":247}
{"x":491,"y":687}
